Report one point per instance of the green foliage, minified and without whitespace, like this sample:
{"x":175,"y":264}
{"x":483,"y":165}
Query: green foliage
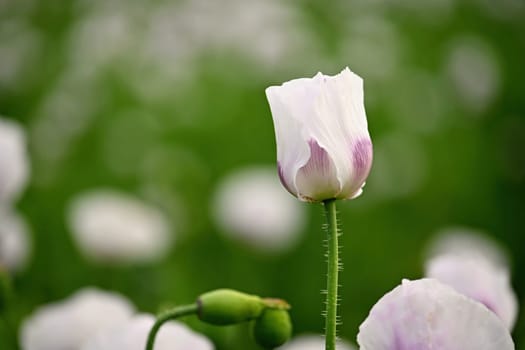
{"x":5,"y":291}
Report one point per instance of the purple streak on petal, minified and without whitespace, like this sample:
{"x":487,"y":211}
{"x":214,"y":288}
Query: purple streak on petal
{"x":280,"y":171}
{"x":317,"y":179}
{"x":362,"y":155}
{"x":319,"y":162}
{"x":401,"y":344}
{"x":399,"y":328}
{"x":398,"y":343}
{"x":489,"y":305}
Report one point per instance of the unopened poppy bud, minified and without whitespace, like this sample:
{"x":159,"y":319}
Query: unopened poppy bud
{"x":226,"y":306}
{"x":324,"y":150}
{"x":273,"y":328}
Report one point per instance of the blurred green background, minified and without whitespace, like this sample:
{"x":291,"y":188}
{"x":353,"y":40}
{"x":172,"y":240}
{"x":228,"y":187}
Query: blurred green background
{"x":162,"y":99}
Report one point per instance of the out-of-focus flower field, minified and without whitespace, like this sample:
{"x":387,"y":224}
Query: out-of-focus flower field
{"x":137,"y":151}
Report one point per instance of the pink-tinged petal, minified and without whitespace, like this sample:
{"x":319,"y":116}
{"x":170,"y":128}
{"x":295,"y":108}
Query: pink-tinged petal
{"x":283,"y":179}
{"x":341,"y":127}
{"x":361,"y":156}
{"x":428,"y":315}
{"x":362,"y":160}
{"x":317,"y":180}
{"x":479,"y":279}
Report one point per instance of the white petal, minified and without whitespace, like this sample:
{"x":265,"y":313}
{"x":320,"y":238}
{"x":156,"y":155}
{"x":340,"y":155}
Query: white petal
{"x":132,"y":335}
{"x":292,"y":149}
{"x":68,"y":324}
{"x":426,"y":315}
{"x":346,"y":138}
{"x":113,"y":227}
{"x":478,"y":279}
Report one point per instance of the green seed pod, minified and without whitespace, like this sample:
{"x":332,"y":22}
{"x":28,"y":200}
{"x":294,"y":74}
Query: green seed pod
{"x":226,"y":307}
{"x":273,"y":328}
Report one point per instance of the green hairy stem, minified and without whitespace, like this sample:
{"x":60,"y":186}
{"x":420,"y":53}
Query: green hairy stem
{"x":166,"y":316}
{"x":333,"y":271}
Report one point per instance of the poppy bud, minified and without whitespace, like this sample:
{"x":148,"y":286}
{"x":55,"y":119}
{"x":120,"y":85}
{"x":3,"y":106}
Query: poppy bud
{"x":324,"y":150}
{"x":273,"y":328}
{"x":226,"y":306}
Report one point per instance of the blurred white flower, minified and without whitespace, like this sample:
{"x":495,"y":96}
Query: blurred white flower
{"x":324,"y":150}
{"x":101,"y":36}
{"x":468,"y":243}
{"x":503,"y":9}
{"x":67,"y":324}
{"x":153,"y":46}
{"x":478,"y":279}
{"x":59,"y":121}
{"x":368,"y":40}
{"x":426,"y":314}
{"x":474,"y":70}
{"x":15,"y":244}
{"x":113,"y":227}
{"x":313,"y":342}
{"x":189,"y":28}
{"x":19,"y":48}
{"x":133,"y":333}
{"x":14,"y":160}
{"x":430,"y":12}
{"x":250,"y":206}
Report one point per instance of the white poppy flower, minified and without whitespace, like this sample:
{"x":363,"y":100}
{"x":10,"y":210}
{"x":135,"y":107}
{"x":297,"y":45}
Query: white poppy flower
{"x":466,"y":242}
{"x":14,"y":160}
{"x":475,"y":71}
{"x":478,"y":279}
{"x":15,"y":243}
{"x":251,"y":206}
{"x":426,"y":314}
{"x":132,"y":335}
{"x":313,"y":342}
{"x":324,"y":149}
{"x":66,"y":325}
{"x":112,"y":227}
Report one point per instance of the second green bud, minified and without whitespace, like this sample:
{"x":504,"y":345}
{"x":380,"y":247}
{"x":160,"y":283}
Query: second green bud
{"x":273,"y":328}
